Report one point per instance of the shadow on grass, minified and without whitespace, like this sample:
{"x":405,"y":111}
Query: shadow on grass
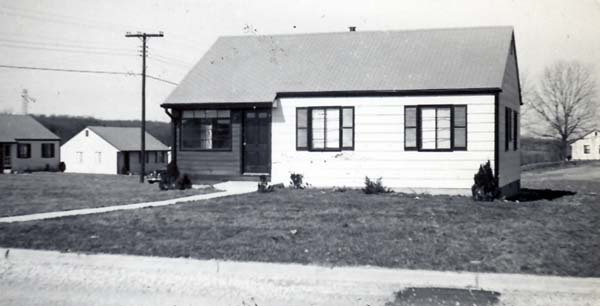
{"x":443,"y":297}
{"x":528,"y":195}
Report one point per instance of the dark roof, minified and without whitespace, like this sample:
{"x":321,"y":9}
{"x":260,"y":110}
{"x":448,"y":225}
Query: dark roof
{"x":127,"y":138}
{"x":241,"y":69}
{"x":14,"y":127}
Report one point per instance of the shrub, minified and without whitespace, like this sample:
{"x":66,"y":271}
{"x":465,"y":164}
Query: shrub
{"x":486,"y":184}
{"x":62,"y":166}
{"x":375,"y":187}
{"x":47,"y":168}
{"x":263,"y":185}
{"x":183,"y":182}
{"x":297,"y":181}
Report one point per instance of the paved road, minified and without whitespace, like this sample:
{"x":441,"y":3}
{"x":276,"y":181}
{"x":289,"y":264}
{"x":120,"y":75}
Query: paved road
{"x":29,"y":277}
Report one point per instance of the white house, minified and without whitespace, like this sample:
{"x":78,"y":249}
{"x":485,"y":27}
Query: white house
{"x":26,"y":145}
{"x":112,"y":150}
{"x":423,"y":109}
{"x":588,"y":147}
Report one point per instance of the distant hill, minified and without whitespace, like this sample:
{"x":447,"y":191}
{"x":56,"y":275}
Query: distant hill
{"x":67,"y":126}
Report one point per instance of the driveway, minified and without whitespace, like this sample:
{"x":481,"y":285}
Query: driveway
{"x":30,"y":277}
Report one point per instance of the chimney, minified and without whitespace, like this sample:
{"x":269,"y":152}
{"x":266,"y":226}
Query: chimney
{"x":352,"y":29}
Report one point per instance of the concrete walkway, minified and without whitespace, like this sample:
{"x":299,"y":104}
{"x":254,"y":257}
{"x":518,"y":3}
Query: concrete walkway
{"x":29,"y":277}
{"x":228,"y":188}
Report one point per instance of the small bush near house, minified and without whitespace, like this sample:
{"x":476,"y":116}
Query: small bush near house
{"x":486,"y":185}
{"x":183,"y":182}
{"x":297,"y":181}
{"x":263,"y":185}
{"x":62,"y":166}
{"x":375,"y":187}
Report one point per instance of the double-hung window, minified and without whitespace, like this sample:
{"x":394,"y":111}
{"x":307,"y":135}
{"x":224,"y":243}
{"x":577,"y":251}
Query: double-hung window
{"x":325,"y":128}
{"x":206,"y":130}
{"x":515,"y":130}
{"x":23,"y":150}
{"x":435,"y":128}
{"x":47,"y":150}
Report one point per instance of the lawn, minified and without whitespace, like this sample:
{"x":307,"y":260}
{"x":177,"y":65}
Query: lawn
{"x":559,"y":237}
{"x":53,"y":191}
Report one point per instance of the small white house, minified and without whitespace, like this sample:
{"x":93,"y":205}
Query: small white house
{"x":112,"y":150}
{"x":26,"y":145}
{"x":423,"y":109}
{"x":587,"y":148}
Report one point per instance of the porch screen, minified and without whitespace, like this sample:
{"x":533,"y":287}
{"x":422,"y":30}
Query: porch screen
{"x":206,"y":130}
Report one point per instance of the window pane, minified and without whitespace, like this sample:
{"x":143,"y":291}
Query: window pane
{"x":250,"y":115}
{"x":443,"y":128}
{"x":347,"y":138}
{"x":211,"y":114}
{"x":318,"y":128}
{"x":428,"y":128}
{"x":410,"y":117}
{"x":333,"y":128}
{"x":186,"y":114}
{"x":263,"y":115}
{"x":411,"y":138}
{"x":301,"y":117}
{"x":460,"y":116}
{"x":460,"y":137}
{"x":301,"y":137}
{"x":348,"y":117}
{"x":223,"y":114}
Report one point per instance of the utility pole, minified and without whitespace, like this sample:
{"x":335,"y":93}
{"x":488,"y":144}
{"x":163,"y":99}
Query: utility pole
{"x":144,"y":36}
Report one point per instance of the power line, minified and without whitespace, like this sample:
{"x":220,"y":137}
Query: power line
{"x":85,"y":71}
{"x":61,"y":45}
{"x":20,"y":46}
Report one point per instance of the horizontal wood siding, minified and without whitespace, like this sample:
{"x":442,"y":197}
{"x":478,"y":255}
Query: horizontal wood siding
{"x":379,"y":145}
{"x":199,"y":163}
{"x":509,"y":161}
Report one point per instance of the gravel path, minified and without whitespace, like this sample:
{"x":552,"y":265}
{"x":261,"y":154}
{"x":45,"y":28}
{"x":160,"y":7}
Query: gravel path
{"x":30,"y":277}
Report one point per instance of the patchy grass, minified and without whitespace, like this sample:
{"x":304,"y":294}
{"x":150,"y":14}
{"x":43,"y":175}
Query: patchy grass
{"x":53,"y":191}
{"x":559,"y":237}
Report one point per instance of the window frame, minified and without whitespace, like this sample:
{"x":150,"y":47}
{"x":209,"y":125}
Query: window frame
{"x":341,"y":128}
{"x":452,"y":107}
{"x":229,"y":136}
{"x":53,"y":150}
{"x":26,"y":156}
{"x":587,"y":149}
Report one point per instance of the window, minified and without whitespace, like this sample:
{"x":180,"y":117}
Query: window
{"x":435,"y":128}
{"x":515,"y":130}
{"x":325,"y":128}
{"x":87,"y":133}
{"x":507,"y":128}
{"x":163,"y":157}
{"x":47,"y":150}
{"x":410,"y":128}
{"x":206,"y":130}
{"x":98,"y":157}
{"x":586,"y":149}
{"x":148,"y":154}
{"x":156,"y":154}
{"x":79,"y":157}
{"x":24,"y":150}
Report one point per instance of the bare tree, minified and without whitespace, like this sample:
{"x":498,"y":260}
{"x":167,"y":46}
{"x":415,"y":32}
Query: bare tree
{"x":528,"y":94}
{"x":565,"y":103}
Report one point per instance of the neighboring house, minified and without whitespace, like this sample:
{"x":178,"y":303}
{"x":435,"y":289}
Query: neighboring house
{"x":588,"y":147}
{"x":423,"y":109}
{"x":26,"y":145}
{"x":112,"y":150}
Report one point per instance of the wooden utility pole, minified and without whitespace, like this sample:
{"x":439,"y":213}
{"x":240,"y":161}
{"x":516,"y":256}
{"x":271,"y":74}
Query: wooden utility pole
{"x":144,"y":36}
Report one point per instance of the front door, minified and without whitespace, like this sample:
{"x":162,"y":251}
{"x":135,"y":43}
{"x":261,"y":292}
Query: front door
{"x":257,"y":142}
{"x":125,"y":169}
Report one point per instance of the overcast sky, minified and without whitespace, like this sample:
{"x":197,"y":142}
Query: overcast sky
{"x":89,"y":35}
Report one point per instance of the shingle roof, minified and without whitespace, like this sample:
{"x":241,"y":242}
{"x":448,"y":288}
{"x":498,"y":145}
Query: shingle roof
{"x":13,"y":127}
{"x":240,"y":69}
{"x":127,"y":138}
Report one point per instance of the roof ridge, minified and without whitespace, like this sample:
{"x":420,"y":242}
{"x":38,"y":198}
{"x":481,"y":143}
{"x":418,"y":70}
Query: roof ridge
{"x":373,"y":31}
